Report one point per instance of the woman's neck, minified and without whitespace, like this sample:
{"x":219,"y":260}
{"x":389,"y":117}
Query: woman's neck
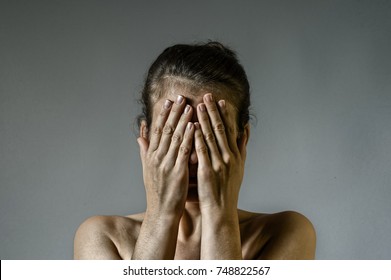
{"x":190,"y":223}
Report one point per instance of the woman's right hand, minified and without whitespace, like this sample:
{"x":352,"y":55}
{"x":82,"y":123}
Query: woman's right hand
{"x":165,"y":158}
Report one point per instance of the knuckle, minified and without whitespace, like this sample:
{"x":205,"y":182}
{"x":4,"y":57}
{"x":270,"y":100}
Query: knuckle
{"x":202,"y":149}
{"x":155,"y":162}
{"x":219,"y":127}
{"x":227,"y":159}
{"x":176,"y":138}
{"x":168,"y":129}
{"x":219,"y":168}
{"x":157,"y":130}
{"x":184,"y":150}
{"x":204,"y":118}
{"x":164,"y":167}
{"x":209,"y":137}
{"x":159,"y":156}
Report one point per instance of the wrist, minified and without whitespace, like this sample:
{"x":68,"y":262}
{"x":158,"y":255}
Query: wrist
{"x":166,"y":217}
{"x":220,"y":217}
{"x":164,"y":208}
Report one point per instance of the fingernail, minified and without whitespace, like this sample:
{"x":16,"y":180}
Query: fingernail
{"x":202,"y":107}
{"x":209,"y":97}
{"x":187,"y":109}
{"x":221,"y":103}
{"x":189,"y":125}
{"x":167,"y":104}
{"x":179,"y":99}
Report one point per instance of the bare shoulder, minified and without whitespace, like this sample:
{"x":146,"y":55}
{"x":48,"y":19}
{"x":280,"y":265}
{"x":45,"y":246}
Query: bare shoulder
{"x":283,"y":235}
{"x":107,"y":237}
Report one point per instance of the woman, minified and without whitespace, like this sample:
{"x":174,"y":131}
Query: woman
{"x":193,"y":137}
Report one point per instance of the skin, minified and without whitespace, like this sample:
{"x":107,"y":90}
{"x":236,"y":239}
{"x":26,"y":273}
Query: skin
{"x":193,"y":162}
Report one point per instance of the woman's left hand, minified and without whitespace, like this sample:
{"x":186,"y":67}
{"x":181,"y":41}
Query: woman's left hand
{"x":220,"y":159}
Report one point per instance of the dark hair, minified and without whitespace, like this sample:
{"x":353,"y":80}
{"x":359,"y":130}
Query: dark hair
{"x":210,"y":66}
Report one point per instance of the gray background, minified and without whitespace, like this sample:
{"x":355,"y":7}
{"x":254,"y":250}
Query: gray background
{"x":71,"y":72}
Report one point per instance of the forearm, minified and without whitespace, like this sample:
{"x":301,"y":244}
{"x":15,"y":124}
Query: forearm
{"x":220,"y":236}
{"x":157,"y":238}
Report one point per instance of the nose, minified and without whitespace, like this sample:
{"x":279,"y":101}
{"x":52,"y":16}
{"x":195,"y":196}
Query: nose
{"x":193,"y":159}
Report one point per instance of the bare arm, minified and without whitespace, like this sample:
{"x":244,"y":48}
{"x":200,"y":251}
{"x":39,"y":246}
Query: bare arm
{"x":220,"y":237}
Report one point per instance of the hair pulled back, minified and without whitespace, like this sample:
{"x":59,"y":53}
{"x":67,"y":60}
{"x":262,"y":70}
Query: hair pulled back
{"x":210,"y":66}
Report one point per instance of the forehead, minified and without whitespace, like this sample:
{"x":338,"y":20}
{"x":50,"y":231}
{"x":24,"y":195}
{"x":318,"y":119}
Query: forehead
{"x":193,"y":96}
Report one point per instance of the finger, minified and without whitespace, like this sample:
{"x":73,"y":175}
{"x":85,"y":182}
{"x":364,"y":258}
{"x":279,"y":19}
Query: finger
{"x":208,"y":134}
{"x":170,"y":126}
{"x":217,"y":124}
{"x":178,"y":135}
{"x":186,"y":145}
{"x":230,"y":124}
{"x":201,"y":149}
{"x":157,"y":129}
